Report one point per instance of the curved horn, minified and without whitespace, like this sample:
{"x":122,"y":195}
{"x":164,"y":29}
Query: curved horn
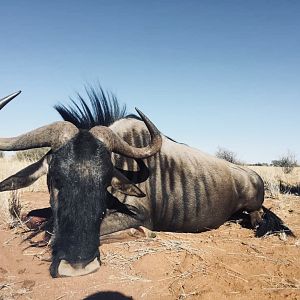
{"x":7,"y":99}
{"x":54,"y":135}
{"x":118,"y":145}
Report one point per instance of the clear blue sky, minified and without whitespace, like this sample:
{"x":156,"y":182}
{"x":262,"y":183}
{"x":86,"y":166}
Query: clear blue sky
{"x":208,"y":73}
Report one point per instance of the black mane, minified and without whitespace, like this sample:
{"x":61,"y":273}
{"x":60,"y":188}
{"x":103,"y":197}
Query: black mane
{"x":103,"y":109}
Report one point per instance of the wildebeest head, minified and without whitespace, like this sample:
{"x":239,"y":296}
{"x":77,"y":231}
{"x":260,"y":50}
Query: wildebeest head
{"x":79,"y":171}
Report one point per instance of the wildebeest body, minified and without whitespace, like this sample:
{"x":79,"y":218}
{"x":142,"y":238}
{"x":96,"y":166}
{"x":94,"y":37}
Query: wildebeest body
{"x":187,"y":190}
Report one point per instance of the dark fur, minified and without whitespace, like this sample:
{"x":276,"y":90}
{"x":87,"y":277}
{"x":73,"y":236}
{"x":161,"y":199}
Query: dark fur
{"x":271,"y":224}
{"x":289,"y":188}
{"x":104,"y":109}
{"x":81,"y":203}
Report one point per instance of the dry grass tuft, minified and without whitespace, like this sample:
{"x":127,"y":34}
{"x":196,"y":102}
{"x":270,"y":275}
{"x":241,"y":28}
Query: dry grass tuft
{"x":272,"y":176}
{"x":15,"y":207}
{"x":10,"y":206}
{"x":10,"y":209}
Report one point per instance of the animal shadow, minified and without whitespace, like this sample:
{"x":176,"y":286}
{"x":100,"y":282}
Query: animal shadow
{"x":108,"y":295}
{"x":241,"y":218}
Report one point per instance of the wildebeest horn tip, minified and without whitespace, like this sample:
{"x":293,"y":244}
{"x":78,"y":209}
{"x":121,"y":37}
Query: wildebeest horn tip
{"x":139,"y":112}
{"x":8,"y":98}
{"x":145,"y":118}
{"x":13,"y":95}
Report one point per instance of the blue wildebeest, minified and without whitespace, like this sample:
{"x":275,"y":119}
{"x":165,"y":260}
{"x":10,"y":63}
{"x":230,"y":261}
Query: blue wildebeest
{"x":113,"y":171}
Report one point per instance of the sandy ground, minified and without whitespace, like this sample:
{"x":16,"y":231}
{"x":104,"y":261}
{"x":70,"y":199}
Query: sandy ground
{"x":227,"y":263}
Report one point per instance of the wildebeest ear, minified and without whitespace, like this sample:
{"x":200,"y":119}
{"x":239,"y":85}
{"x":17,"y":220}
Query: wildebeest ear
{"x":26,"y":176}
{"x":123,"y":185}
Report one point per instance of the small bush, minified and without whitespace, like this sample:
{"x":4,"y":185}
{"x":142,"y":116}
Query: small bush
{"x":31,"y":155}
{"x":227,"y":155}
{"x":287,"y":162}
{"x":259,"y":164}
{"x":15,"y":208}
{"x":10,"y":209}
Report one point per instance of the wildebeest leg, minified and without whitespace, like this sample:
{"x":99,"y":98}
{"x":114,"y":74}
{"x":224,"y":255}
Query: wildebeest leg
{"x":254,"y":208}
{"x":256,"y":217}
{"x":117,"y":221}
{"x":132,"y":213}
{"x":127,"y":235}
{"x":264,"y":221}
{"x":253,"y":203}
